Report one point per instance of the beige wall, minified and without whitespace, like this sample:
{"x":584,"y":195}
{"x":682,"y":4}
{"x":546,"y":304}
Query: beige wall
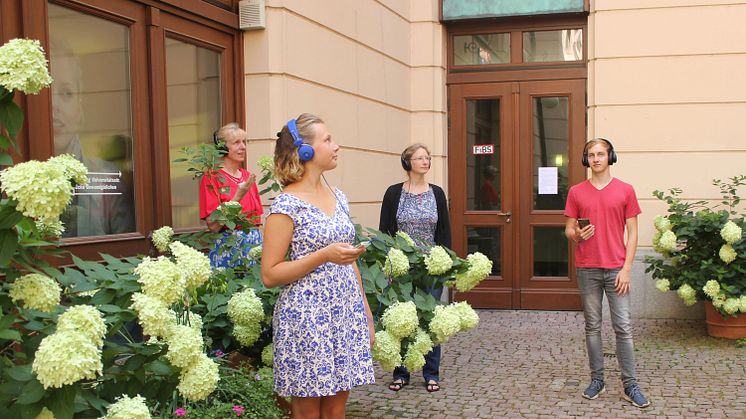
{"x":667,"y":84}
{"x":373,"y":69}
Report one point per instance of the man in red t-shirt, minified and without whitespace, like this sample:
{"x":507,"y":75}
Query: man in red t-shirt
{"x":604,"y":264}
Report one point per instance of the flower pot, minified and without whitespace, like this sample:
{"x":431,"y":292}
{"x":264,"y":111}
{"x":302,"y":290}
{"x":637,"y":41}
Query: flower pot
{"x":720,"y":327}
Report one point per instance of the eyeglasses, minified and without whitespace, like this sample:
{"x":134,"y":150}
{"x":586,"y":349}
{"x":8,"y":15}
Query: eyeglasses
{"x":428,"y":158}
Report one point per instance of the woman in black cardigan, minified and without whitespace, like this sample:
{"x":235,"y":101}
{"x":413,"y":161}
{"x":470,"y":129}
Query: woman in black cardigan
{"x":419,"y":209}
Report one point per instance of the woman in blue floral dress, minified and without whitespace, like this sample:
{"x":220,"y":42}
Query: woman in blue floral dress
{"x":323,"y":327}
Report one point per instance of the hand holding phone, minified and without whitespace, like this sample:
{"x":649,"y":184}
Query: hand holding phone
{"x":584,"y":222}
{"x":364,"y":243}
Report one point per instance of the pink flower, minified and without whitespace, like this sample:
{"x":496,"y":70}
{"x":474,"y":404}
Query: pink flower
{"x":238,"y":410}
{"x":180,"y":412}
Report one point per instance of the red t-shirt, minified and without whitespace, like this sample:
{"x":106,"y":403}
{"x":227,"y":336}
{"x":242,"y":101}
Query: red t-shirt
{"x":608,"y":210}
{"x":212,"y":193}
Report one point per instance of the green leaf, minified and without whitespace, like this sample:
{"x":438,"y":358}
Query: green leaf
{"x":109,"y":308}
{"x":6,"y":321}
{"x":5,"y":142}
{"x":20,"y":373}
{"x":10,"y":334}
{"x":62,"y":401}
{"x":11,"y":117}
{"x":8,"y":245}
{"x":5,"y":159}
{"x":9,"y":216}
{"x":32,"y":393}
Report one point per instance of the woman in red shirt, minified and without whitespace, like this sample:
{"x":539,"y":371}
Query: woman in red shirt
{"x":231,"y":183}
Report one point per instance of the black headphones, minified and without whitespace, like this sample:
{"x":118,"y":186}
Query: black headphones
{"x":612,"y":153}
{"x":219,"y":144}
{"x":405,"y":163}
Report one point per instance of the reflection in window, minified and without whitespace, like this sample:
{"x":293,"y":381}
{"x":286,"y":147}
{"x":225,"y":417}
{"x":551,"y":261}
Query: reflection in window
{"x":193,"y":90}
{"x":92,"y":118}
{"x":544,"y":46}
{"x":487,"y":241}
{"x":550,"y":251}
{"x":483,"y":162}
{"x":551,"y":142}
{"x":491,"y":48}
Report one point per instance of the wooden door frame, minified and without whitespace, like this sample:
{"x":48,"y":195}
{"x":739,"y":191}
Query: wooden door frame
{"x":565,"y":293}
{"x":492,"y":288}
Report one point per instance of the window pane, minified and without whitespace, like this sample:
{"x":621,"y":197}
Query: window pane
{"x":487,"y":241}
{"x":550,"y":251}
{"x":563,"y":45}
{"x":92,"y":118}
{"x":194,"y":113}
{"x":550,"y":132}
{"x":483,"y":154}
{"x":491,"y":48}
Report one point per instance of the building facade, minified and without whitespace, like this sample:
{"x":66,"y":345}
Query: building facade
{"x":503,"y":92}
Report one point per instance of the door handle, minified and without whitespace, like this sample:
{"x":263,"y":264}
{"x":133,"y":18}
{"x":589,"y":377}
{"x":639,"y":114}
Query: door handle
{"x":506,"y":214}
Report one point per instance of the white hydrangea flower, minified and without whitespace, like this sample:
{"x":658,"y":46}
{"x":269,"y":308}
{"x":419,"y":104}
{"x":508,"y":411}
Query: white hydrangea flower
{"x":194,"y":321}
{"x":469,"y":318}
{"x":413,"y":360}
{"x":154,"y":316}
{"x":38,"y":292}
{"x":194,"y":265}
{"x":688,"y":294}
{"x":245,"y":308}
{"x":200,"y":379}
{"x":663,"y":284}
{"x":85,"y":320}
{"x":422,"y":342}
{"x":162,"y":238}
{"x":41,"y":189}
{"x":45,"y":414}
{"x":445,"y":323}
{"x":718,"y":300}
{"x":247,"y":335}
{"x":74,"y":169}
{"x":711,"y":288}
{"x":128,"y":408}
{"x":386,"y":350}
{"x":184,"y":345}
{"x":732,"y":305}
{"x":662,"y":224}
{"x":727,"y":253}
{"x":162,"y":279}
{"x":667,"y":242}
{"x":742,"y":304}
{"x":480,"y":266}
{"x":23,"y":66}
{"x":50,"y":228}
{"x":731,"y":232}
{"x":267,"y":355}
{"x":400,"y":319}
{"x":396,"y":264}
{"x":438,"y":261}
{"x":66,"y":357}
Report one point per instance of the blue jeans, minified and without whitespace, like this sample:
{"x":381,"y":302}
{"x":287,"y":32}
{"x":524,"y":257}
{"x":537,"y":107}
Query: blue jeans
{"x":431,"y":370}
{"x":593,"y":283}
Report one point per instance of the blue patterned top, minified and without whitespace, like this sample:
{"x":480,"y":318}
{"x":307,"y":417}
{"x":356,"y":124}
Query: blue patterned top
{"x":320,"y":331}
{"x":417,"y":216}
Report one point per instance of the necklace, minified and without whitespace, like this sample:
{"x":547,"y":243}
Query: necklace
{"x":236,"y":179}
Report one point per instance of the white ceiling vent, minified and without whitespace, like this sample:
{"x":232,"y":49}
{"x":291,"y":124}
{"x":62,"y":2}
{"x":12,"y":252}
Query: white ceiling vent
{"x":251,"y":14}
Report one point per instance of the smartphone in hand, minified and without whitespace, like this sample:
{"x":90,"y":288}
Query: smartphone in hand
{"x":584,"y":222}
{"x":364,"y":243}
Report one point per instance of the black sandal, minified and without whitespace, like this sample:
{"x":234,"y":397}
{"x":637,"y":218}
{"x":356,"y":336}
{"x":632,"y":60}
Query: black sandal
{"x":432,"y":387}
{"x":398,"y":384}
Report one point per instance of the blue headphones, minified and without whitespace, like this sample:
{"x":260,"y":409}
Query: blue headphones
{"x":305,"y":151}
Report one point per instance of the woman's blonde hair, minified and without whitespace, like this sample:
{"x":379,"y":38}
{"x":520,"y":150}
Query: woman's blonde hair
{"x":288,"y":167}
{"x":227,"y":130}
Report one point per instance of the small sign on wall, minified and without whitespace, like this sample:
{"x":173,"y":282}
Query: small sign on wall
{"x":483,"y":149}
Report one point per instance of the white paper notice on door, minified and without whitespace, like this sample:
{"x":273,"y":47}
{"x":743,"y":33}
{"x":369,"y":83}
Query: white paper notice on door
{"x":547,"y":181}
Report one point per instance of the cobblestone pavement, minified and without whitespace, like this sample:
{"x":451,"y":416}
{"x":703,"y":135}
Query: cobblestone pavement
{"x":533,"y":364}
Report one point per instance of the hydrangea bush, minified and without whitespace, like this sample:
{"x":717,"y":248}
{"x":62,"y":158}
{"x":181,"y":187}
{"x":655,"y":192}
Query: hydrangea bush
{"x":702,"y":254}
{"x":398,"y":277}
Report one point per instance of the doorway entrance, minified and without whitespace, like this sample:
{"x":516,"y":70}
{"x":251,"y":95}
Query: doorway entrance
{"x":513,"y":154}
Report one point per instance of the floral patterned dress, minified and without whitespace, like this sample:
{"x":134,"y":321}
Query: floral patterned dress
{"x":321,"y":343}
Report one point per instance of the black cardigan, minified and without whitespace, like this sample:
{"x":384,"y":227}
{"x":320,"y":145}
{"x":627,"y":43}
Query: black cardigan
{"x":390,"y":206}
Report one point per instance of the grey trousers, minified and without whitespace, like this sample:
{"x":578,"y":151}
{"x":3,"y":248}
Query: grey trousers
{"x":593,"y":283}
